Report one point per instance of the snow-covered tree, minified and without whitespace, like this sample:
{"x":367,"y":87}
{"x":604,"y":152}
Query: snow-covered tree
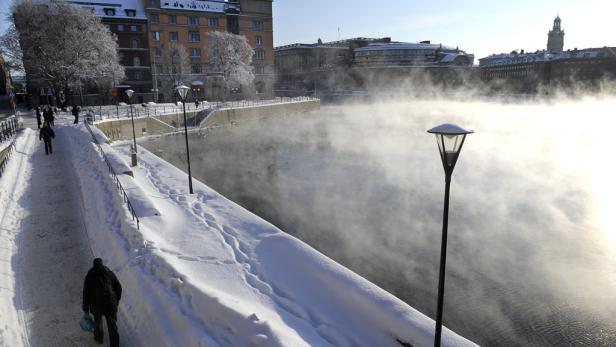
{"x":230,"y":55}
{"x":10,"y":50}
{"x":173,"y":67}
{"x":65,"y":44}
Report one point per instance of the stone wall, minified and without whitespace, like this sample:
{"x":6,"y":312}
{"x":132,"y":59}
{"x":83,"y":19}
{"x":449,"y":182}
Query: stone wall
{"x":236,"y":115}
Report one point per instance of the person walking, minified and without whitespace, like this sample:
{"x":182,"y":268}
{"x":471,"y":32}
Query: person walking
{"x":101,"y":295}
{"x":38,"y":117}
{"x":51,"y":117}
{"x":75,"y":112}
{"x":46,"y":134}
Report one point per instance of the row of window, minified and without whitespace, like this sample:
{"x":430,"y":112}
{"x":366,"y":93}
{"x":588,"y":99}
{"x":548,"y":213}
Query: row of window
{"x":194,"y":36}
{"x":259,"y":54}
{"x":122,"y":27}
{"x":194,"y":20}
{"x":112,"y":12}
{"x":194,"y":68}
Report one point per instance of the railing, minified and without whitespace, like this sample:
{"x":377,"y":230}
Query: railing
{"x":115,"y":177}
{"x":116,"y":112}
{"x":8,"y":130}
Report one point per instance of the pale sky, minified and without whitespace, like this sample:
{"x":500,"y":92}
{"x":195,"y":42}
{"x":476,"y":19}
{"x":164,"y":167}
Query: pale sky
{"x":478,"y":27}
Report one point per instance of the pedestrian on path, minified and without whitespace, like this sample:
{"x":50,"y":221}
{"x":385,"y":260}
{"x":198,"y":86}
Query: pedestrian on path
{"x":46,"y":134}
{"x":38,"y":117}
{"x":101,"y":295}
{"x":51,"y":117}
{"x":75,"y":112}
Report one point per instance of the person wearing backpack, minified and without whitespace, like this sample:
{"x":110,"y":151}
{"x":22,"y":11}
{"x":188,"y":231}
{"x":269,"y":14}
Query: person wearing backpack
{"x":46,"y":134}
{"x":101,"y":295}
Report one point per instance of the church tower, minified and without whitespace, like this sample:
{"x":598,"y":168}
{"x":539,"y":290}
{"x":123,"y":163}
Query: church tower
{"x":556,"y":37}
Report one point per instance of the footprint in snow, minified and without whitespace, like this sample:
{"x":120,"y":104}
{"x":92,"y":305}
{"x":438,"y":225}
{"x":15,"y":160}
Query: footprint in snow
{"x":197,"y":206}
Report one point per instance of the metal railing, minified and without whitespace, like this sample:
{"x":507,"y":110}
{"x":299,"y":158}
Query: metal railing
{"x":115,"y":176}
{"x":8,"y":130}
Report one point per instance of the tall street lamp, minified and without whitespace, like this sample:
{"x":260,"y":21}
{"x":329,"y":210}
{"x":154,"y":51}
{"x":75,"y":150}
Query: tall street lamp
{"x":450,"y":139}
{"x":183,"y":90}
{"x":133,"y":155}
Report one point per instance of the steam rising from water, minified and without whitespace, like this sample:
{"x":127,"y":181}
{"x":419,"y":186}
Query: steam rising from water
{"x":532,"y":233}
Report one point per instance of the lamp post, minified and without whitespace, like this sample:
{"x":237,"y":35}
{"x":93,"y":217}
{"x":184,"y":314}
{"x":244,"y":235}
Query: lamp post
{"x":133,"y":155}
{"x":183,"y":90}
{"x":450,"y":139}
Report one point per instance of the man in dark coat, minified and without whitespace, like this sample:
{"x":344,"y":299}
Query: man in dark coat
{"x":51,"y":117}
{"x":101,"y":295}
{"x":38,"y":117}
{"x":46,"y":134}
{"x":75,"y":112}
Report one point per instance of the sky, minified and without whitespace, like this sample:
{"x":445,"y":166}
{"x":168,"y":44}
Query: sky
{"x":478,"y":27}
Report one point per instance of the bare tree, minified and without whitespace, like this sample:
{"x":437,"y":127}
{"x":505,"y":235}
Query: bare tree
{"x":230,"y":55}
{"x":64,"y":44}
{"x":173,"y":67}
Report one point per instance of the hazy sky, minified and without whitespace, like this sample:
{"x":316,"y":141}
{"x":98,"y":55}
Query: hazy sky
{"x":479,"y":27}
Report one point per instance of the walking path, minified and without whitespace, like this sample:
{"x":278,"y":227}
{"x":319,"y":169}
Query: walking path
{"x":50,"y":249}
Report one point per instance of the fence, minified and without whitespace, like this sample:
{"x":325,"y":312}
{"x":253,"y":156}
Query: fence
{"x":115,"y":177}
{"x":8,"y":130}
{"x":123,"y":111}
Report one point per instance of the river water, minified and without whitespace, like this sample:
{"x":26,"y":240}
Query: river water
{"x":532,"y":229}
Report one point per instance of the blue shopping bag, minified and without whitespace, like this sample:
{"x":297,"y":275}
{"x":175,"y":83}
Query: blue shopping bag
{"x":86,"y":323}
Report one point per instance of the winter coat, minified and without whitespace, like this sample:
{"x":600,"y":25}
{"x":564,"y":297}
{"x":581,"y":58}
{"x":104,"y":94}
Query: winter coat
{"x":46,"y":133}
{"x":75,"y":111}
{"x":101,"y":291}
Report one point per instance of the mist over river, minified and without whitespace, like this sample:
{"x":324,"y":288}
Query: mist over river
{"x":532,"y":222}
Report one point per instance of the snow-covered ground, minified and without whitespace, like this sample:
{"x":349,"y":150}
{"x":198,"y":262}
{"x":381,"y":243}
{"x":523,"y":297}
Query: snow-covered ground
{"x":199,"y":271}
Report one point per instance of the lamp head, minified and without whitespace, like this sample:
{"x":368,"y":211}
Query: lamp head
{"x":182,"y":90}
{"x":450,"y":139}
{"x":129,"y":93}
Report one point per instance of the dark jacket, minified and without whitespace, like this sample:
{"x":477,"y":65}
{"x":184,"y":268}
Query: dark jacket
{"x":46,"y":133}
{"x":75,"y":111}
{"x":101,"y":291}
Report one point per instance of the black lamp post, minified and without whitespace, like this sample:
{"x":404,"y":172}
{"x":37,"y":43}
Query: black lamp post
{"x":450,"y":139}
{"x":133,"y":155}
{"x":183,"y":90}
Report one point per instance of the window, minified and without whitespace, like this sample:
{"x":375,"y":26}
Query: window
{"x":195,"y":68}
{"x":259,"y":40}
{"x":154,"y":18}
{"x":109,"y":11}
{"x":136,"y":61}
{"x":257,"y":25}
{"x":193,"y":20}
{"x":158,"y":68}
{"x":131,"y":13}
{"x":134,"y":43}
{"x":133,"y":28}
{"x":259,"y":54}
{"x":193,"y":36}
{"x":173,"y":19}
{"x":173,"y":36}
{"x":137,"y":76}
{"x":155,"y":36}
{"x":108,"y":27}
{"x":158,"y":51}
{"x":259,"y":69}
{"x":195,"y":52}
{"x":212,"y":22}
{"x":120,"y":27}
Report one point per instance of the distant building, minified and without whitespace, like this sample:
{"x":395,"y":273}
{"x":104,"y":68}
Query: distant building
{"x":364,"y":63}
{"x":556,"y":37}
{"x":127,"y":20}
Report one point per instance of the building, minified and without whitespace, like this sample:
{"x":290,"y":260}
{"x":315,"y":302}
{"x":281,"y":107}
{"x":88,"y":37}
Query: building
{"x":364,"y":63}
{"x":127,"y":20}
{"x":177,"y":39}
{"x":556,"y":37}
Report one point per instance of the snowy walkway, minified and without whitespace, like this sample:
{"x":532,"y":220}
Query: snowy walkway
{"x":51,"y":251}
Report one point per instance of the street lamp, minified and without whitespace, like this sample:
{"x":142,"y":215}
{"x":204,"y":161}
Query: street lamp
{"x":133,"y":155}
{"x":183,"y":90}
{"x":450,"y":139}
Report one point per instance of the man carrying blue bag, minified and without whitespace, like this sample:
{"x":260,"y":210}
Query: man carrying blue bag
{"x":101,"y":295}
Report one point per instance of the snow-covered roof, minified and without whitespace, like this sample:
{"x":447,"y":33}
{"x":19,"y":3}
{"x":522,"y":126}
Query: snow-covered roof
{"x":521,"y":58}
{"x":114,"y":8}
{"x":398,"y":45}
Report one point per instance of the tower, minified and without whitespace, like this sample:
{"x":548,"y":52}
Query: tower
{"x":556,"y":37}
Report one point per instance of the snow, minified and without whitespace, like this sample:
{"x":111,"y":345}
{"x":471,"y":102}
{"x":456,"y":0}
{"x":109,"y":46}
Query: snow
{"x":199,"y":271}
